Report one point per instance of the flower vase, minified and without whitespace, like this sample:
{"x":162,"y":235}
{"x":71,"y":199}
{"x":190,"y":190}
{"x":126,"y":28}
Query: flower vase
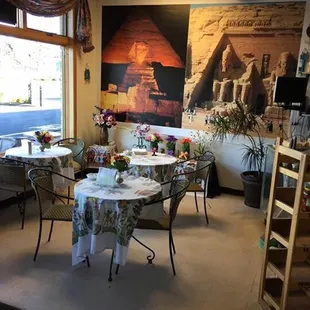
{"x":170,"y":149}
{"x":42,"y":148}
{"x":104,"y":136}
{"x":140,"y":144}
{"x":186,"y":148}
{"x":154,"y":146}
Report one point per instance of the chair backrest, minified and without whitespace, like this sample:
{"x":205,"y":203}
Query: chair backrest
{"x":12,"y":172}
{"x":42,"y":183}
{"x":177,"y":192}
{"x":7,"y":143}
{"x":77,"y":146}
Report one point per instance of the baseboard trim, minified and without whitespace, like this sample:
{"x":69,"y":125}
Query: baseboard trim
{"x":231,"y":191}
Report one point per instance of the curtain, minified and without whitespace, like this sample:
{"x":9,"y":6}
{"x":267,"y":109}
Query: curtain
{"x":51,"y":8}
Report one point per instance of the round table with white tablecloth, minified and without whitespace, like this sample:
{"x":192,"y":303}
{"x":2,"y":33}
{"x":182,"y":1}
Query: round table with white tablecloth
{"x":59,"y":158}
{"x":105,"y":217}
{"x":159,"y":167}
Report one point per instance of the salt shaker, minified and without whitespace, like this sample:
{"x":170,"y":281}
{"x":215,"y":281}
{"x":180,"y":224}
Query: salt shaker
{"x":29,"y":148}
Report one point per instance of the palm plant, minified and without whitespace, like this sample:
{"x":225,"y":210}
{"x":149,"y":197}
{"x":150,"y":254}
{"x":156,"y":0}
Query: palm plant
{"x":238,"y":122}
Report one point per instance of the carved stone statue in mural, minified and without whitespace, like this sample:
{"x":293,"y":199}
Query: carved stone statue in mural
{"x":139,"y":71}
{"x":223,"y":76}
{"x":228,"y":79}
{"x":283,"y":68}
{"x":242,"y":86}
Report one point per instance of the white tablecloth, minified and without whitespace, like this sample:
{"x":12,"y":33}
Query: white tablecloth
{"x":104,"y":218}
{"x":60,"y":158}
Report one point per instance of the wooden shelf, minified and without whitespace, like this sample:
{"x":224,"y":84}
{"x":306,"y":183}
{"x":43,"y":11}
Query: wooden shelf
{"x":281,"y":232}
{"x":297,"y":300}
{"x":300,"y":267}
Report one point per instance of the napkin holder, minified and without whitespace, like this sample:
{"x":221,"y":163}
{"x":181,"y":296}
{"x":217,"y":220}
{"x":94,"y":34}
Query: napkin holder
{"x":109,"y":177}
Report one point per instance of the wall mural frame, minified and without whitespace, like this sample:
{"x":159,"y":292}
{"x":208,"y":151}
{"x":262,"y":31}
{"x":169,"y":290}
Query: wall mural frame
{"x":179,"y":65}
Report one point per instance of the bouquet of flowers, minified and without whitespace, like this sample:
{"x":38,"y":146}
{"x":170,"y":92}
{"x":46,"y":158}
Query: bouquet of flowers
{"x":154,"y":139}
{"x":141,"y":130}
{"x":44,"y":138}
{"x":203,"y":141}
{"x":185,"y":148}
{"x":120,"y":162}
{"x":171,"y":140}
{"x":105,"y":119}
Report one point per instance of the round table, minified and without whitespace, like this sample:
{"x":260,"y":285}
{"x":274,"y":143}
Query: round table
{"x":59,"y":158}
{"x":159,"y":167}
{"x":105,"y":217}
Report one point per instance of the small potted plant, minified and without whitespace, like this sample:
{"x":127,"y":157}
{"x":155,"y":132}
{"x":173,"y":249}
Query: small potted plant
{"x":154,"y":139}
{"x":203,"y":141}
{"x":44,"y":138}
{"x":171,"y":142}
{"x":120,"y":162}
{"x":185,"y":148}
{"x":105,"y":119}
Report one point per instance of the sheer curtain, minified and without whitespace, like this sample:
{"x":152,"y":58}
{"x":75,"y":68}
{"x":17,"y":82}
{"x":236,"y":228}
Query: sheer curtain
{"x":50,"y":8}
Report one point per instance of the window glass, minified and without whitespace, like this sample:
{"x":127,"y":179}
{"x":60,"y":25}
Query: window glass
{"x":30,"y":87}
{"x":46,"y":24}
{"x":8,"y":14}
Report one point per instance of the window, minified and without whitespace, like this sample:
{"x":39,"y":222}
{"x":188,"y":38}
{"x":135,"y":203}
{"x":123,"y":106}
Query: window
{"x":47,"y":24}
{"x":31,"y":79}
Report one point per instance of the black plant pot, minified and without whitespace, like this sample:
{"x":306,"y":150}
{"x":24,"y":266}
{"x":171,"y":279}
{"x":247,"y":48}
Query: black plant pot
{"x":252,"y":184}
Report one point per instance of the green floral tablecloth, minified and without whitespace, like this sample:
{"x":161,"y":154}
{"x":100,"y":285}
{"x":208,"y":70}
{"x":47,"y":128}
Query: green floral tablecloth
{"x":104,"y":218}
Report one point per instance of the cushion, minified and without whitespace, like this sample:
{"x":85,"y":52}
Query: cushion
{"x":76,"y":166}
{"x":194,"y":187}
{"x":59,"y":212}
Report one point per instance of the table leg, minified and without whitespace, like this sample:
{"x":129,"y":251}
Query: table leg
{"x":149,"y":257}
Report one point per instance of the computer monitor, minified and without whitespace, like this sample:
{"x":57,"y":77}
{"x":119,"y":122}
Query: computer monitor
{"x":290,"y":92}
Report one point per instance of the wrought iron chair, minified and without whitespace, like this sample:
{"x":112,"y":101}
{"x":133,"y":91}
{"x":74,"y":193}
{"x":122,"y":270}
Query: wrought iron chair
{"x":198,"y":175}
{"x":42,"y":182}
{"x":177,"y":192}
{"x":77,"y":146}
{"x":13,"y":178}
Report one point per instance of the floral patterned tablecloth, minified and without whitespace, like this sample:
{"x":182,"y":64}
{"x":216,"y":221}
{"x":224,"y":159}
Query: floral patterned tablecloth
{"x":159,"y":168}
{"x":60,"y":158}
{"x":104,"y":218}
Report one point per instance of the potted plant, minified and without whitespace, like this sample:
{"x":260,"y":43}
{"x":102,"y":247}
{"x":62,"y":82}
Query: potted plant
{"x":171,"y":141}
{"x":237,"y":121}
{"x":154,"y":139}
{"x":44,"y":138}
{"x":203,"y":141}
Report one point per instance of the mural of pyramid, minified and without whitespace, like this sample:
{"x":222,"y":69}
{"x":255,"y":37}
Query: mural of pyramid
{"x":139,"y":27}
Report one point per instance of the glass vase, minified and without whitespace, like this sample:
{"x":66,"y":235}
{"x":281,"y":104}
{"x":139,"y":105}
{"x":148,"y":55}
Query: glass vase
{"x":42,"y":148}
{"x":104,"y":136}
{"x":154,"y":146}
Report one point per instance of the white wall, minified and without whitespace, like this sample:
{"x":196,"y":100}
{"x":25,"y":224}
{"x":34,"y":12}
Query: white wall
{"x":228,"y":155}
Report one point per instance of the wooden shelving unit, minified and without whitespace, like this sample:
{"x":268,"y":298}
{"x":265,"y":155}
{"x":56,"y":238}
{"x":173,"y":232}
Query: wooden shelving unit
{"x":289,"y":287}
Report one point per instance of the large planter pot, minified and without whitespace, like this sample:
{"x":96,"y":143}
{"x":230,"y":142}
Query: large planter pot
{"x":252,"y":184}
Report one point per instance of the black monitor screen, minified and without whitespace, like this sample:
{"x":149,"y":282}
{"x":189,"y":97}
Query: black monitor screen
{"x":290,"y":90}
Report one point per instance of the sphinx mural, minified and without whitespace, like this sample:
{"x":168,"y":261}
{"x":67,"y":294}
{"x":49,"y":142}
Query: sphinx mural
{"x":143,"y":71}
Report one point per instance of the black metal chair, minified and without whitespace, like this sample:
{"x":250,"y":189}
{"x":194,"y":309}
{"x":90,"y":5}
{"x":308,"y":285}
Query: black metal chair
{"x":176,"y":193}
{"x":13,"y":178}
{"x":198,"y":175}
{"x":77,"y":146}
{"x":42,"y":182}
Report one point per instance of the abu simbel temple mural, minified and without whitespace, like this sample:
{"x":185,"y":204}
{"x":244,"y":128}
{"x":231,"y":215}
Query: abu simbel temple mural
{"x":179,"y":65}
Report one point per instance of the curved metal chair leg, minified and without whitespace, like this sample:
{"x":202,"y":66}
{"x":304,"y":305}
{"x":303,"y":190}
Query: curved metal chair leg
{"x":170,"y":251}
{"x":38,"y":243}
{"x":111,"y":264}
{"x":117,"y":269}
{"x":149,"y":257}
{"x":172,"y":243}
{"x":87,"y":261}
{"x":51,"y":231}
{"x":23,"y":210}
{"x":196,"y":202}
{"x":205,"y":208}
